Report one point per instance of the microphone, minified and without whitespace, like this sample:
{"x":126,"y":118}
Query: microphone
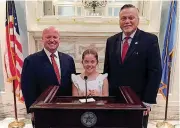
{"x":85,"y":78}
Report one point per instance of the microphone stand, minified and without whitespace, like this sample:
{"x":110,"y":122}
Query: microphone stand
{"x":85,"y":78}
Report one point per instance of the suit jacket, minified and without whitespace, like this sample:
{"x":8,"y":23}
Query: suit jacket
{"x":141,"y":69}
{"x":38,"y":73}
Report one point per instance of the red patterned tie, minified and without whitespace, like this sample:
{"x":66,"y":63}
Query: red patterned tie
{"x":125,"y":48}
{"x":55,"y":66}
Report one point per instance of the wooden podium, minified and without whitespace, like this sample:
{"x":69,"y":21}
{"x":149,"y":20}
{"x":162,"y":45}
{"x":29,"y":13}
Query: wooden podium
{"x":123,"y":111}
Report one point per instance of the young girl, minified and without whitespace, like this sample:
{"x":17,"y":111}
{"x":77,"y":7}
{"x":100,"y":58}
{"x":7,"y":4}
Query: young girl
{"x":97,"y":84}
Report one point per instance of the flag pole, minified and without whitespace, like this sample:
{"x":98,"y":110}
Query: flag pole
{"x":15,"y":105}
{"x":165,"y":123}
{"x":16,"y":123}
{"x":167,"y":97}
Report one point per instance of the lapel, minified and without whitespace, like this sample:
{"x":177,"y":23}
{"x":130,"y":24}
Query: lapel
{"x":47,"y":65}
{"x":45,"y":61}
{"x":118,"y":47}
{"x":133,"y":45}
{"x":62,"y":66}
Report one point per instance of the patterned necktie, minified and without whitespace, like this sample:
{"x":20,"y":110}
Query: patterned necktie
{"x":55,"y":66}
{"x":125,"y":48}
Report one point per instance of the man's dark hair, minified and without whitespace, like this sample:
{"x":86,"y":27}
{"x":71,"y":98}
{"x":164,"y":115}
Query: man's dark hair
{"x":127,"y":6}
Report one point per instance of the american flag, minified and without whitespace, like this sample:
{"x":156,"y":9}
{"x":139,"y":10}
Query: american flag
{"x":13,"y":57}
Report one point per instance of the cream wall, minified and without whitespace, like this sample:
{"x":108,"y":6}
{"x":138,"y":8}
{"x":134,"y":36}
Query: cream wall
{"x":75,"y":37}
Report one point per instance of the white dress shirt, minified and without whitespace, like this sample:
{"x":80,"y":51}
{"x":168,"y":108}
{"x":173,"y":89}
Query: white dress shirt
{"x":56,"y":59}
{"x":129,"y":40}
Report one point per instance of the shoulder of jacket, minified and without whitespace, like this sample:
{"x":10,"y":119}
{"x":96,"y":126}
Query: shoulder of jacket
{"x":114,"y":36}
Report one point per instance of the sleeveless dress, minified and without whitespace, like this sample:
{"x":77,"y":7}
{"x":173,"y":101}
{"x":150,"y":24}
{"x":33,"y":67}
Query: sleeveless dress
{"x":94,"y":87}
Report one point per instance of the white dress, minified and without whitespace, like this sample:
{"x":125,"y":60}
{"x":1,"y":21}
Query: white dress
{"x":92,"y":85}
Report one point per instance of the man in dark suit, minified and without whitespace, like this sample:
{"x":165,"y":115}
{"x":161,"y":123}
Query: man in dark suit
{"x":45,"y":68}
{"x":132,"y":58}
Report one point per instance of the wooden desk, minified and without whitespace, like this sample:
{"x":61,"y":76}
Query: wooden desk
{"x":123,"y":111}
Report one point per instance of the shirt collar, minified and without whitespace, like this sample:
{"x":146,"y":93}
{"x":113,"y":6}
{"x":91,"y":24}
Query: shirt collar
{"x":49,"y":53}
{"x":132,"y":35}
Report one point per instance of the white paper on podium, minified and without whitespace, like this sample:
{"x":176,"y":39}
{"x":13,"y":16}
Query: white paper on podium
{"x":88,"y":100}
